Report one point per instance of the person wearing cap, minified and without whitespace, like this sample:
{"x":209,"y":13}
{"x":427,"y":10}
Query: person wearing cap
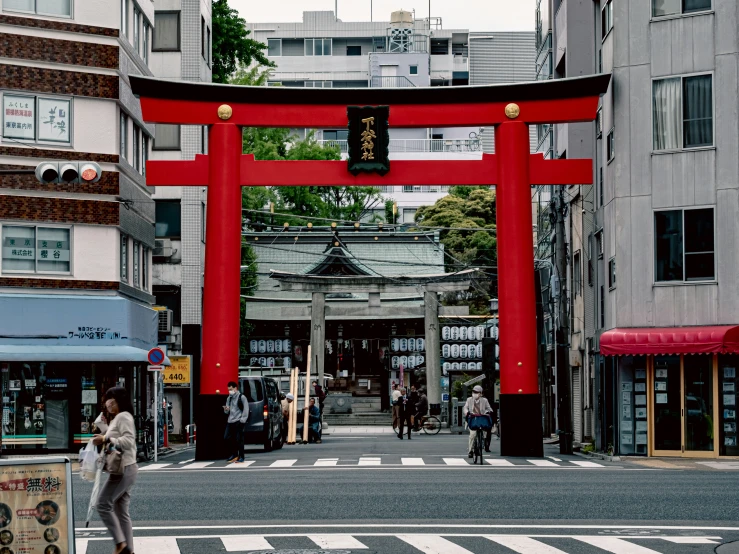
{"x":285,"y":401}
{"x":476,"y":404}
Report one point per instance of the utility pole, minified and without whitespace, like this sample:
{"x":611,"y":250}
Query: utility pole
{"x":562,"y":333}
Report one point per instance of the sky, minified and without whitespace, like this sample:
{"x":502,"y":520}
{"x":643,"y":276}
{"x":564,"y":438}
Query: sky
{"x":475,"y":15}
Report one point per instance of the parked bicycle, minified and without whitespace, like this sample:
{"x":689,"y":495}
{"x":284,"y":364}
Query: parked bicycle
{"x":430,"y":425}
{"x":145,"y":444}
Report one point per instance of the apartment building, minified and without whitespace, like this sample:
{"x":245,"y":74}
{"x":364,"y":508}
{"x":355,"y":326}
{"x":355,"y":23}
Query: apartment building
{"x":75,"y":273}
{"x":406,"y":52}
{"x":652,"y":263}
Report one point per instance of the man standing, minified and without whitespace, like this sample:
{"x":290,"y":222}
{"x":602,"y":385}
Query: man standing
{"x":285,"y":402}
{"x":476,"y":404}
{"x":321,"y":394}
{"x":237,"y":408}
{"x":396,"y":408}
{"x":406,"y":413}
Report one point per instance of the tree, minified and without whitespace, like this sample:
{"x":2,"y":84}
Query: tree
{"x":469,"y":208}
{"x":231,"y":43}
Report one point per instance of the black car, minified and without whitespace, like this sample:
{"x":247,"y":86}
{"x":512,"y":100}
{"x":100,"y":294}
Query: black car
{"x":265,"y":413}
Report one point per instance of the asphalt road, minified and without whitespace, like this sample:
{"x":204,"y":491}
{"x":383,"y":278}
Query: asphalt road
{"x":397,"y":495}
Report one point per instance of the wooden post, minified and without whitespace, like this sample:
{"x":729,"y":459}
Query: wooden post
{"x":307,"y":398}
{"x":293,"y":406}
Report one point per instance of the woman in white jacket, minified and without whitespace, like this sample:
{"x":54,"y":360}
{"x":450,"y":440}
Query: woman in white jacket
{"x":115,"y":496}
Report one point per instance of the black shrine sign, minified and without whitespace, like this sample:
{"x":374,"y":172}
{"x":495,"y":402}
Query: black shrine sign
{"x":369,"y":139}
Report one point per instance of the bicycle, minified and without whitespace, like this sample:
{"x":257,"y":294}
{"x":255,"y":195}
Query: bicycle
{"x":479,"y":423}
{"x":430,"y":425}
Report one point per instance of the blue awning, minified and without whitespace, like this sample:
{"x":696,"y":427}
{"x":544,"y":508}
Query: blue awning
{"x":64,"y":353}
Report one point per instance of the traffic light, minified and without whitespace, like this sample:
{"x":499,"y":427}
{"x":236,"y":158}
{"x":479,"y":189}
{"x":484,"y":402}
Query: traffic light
{"x":68,"y":172}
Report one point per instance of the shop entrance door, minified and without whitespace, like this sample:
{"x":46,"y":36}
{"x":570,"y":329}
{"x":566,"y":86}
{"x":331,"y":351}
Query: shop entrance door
{"x":683,"y":409}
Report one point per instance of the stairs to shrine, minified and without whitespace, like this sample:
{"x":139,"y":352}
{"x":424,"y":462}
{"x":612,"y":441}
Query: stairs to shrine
{"x":368,"y":419}
{"x":355,"y":410}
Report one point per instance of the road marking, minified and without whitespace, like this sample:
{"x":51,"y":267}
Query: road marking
{"x":240,"y":465}
{"x":433,"y":544}
{"x":327,"y":462}
{"x":498,"y":462}
{"x":586,"y":464}
{"x":152,"y":467}
{"x":370,"y":461}
{"x":198,"y":465}
{"x":690,"y":540}
{"x":720,"y":465}
{"x":188,"y":461}
{"x":337,"y":541}
{"x":455,"y":461}
{"x":524,"y":545}
{"x":553,"y":458}
{"x":542,"y":463}
{"x":616,"y":546}
{"x":80,"y":546}
{"x":156,"y":545}
{"x":282,"y":463}
{"x":245,"y":543}
{"x":412,"y":461}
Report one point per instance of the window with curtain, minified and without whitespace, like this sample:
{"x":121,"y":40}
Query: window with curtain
{"x":682,"y":112}
{"x":681,"y":256}
{"x":166,"y":137}
{"x":124,"y":136}
{"x":166,"y":31}
{"x":675,"y":7}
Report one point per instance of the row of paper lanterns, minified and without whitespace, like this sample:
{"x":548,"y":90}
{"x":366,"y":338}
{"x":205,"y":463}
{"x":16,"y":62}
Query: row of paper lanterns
{"x":271,"y":361}
{"x":461,"y":350}
{"x":463,"y":333}
{"x":269,"y":346}
{"x":408,"y":344}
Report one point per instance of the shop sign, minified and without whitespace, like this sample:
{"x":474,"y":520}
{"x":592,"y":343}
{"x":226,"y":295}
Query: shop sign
{"x":19,"y":117}
{"x":17,"y":248}
{"x":56,"y":383}
{"x":14,"y":384}
{"x":54,"y":119}
{"x":36,"y":508}
{"x":52,"y":250}
{"x":177,"y":374}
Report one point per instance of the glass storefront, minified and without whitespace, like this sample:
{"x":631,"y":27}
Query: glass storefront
{"x":667,"y":404}
{"x":633,"y":405}
{"x":728,"y":392}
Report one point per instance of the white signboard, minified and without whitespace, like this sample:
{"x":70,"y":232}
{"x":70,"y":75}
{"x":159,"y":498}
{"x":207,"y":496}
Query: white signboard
{"x":17,"y":248}
{"x":54,"y":119}
{"x":19,"y":117}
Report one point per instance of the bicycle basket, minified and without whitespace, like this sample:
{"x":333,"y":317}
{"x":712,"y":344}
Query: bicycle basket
{"x":477,"y":422}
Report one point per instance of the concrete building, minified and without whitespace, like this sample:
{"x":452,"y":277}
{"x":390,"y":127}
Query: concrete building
{"x":322,"y":51}
{"x":651,"y":247}
{"x":75,"y":272}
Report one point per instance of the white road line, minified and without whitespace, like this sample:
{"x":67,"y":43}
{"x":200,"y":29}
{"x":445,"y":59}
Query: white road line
{"x":80,"y":546}
{"x":553,"y":458}
{"x":156,"y":545}
{"x":326,"y":462}
{"x":242,"y":465}
{"x":720,"y":465}
{"x":524,"y":545}
{"x":198,"y":465}
{"x":282,"y":463}
{"x":542,"y":463}
{"x":586,"y":464}
{"x":188,"y":461}
{"x":245,"y":543}
{"x":370,"y":461}
{"x":153,"y":467}
{"x":455,"y":461}
{"x":433,"y":544}
{"x":690,"y":540}
{"x":497,"y":462}
{"x":616,"y":546}
{"x":337,"y":541}
{"x":412,"y":461}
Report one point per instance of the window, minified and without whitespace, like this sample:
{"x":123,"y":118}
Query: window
{"x":600,"y":185}
{"x":166,"y":137}
{"x":274,"y":47}
{"x":61,"y":8}
{"x":208,"y":55}
{"x":166,"y":31}
{"x":599,"y":244}
{"x":124,"y":136}
{"x":144,"y":152}
{"x":124,"y":258}
{"x":145,"y":42}
{"x":676,"y":7}
{"x":203,"y":139}
{"x":136,"y":276}
{"x":409,"y":215}
{"x":576,"y":274}
{"x":124,"y":17}
{"x":318,"y":84}
{"x":202,"y":36}
{"x":136,"y":162}
{"x":684,"y":256}
{"x":144,"y":268}
{"x":606,"y":18}
{"x":170,"y":297}
{"x":682,"y":112}
{"x":168,"y":219}
{"x":136,"y":24}
{"x":599,"y":123}
{"x":612,"y":273}
{"x":353,"y":50}
{"x":602,"y":310}
{"x":318,"y":47}
{"x":37,"y":118}
{"x":610,"y":146}
{"x":413,"y":70}
{"x":36,"y":249}
{"x":340,"y":134}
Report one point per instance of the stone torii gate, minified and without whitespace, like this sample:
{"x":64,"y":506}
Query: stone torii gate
{"x":509,"y":108}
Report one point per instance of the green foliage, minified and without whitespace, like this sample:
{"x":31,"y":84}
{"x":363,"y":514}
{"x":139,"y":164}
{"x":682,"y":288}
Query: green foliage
{"x":248,"y":288}
{"x":231,"y":43}
{"x":470,"y":208}
{"x":254,"y":77}
{"x":389,"y":217}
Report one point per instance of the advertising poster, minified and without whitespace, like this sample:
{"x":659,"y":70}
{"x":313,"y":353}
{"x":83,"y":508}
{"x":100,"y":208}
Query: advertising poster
{"x":178,"y":374}
{"x":19,"y":116}
{"x":35,"y":513}
{"x":54,"y":119}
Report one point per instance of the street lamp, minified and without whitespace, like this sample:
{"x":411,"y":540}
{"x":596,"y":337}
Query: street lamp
{"x":494,"y":305}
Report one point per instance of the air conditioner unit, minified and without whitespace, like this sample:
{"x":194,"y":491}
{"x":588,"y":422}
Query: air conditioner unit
{"x":163,"y":248}
{"x":165,"y":321}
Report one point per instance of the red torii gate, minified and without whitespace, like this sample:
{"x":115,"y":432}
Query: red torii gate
{"x":510,"y":108}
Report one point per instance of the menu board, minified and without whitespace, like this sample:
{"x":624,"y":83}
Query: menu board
{"x":633,"y":411}
{"x":36,"y":506}
{"x":728,"y":427}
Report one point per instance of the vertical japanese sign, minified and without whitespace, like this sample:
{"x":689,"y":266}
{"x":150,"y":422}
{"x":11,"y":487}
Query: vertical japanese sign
{"x":36,"y":514}
{"x":368,"y":139}
{"x":54,"y":119}
{"x":19,"y":117}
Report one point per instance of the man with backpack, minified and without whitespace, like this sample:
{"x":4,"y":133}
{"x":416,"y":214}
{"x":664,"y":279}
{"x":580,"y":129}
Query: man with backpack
{"x":237,"y":408}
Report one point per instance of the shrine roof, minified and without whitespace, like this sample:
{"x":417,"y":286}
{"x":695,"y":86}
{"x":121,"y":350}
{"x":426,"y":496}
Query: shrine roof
{"x":553,"y":89}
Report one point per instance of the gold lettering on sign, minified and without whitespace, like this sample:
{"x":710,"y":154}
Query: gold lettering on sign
{"x":368,"y":146}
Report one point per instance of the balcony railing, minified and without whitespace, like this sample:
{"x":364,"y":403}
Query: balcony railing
{"x":391,"y":81}
{"x":420,"y":145}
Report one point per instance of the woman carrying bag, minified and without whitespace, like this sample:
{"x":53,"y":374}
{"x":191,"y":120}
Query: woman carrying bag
{"x":120,"y":462}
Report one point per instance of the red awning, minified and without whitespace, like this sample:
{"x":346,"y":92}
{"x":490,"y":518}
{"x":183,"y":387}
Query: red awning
{"x":721,"y":339}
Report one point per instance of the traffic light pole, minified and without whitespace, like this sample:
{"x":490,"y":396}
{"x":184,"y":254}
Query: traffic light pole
{"x":562,"y":333}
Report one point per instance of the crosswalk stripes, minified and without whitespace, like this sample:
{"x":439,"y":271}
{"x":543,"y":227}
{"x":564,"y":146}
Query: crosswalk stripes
{"x":326,"y":462}
{"x":337,"y":541}
{"x":152,"y":467}
{"x":282,"y":463}
{"x":542,"y":463}
{"x":616,"y":546}
{"x":197,"y":465}
{"x":526,"y":545}
{"x":498,"y":462}
{"x":239,"y":543}
{"x":455,"y":461}
{"x":433,"y":544}
{"x":240,"y":465}
{"x":370,"y":461}
{"x":412,"y":462}
{"x":586,"y":464}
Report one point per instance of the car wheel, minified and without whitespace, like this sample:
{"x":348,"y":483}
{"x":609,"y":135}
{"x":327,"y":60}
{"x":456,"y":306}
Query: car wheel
{"x":267,"y":442}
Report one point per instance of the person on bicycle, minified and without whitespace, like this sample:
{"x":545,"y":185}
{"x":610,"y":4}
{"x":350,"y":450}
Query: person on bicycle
{"x":422,"y":408}
{"x":476,"y":404}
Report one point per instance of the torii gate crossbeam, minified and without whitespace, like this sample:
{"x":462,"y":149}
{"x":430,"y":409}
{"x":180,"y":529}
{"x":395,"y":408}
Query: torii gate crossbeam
{"x":509,"y":108}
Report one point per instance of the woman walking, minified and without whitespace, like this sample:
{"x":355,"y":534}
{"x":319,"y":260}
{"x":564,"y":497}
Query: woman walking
{"x":115,"y":497}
